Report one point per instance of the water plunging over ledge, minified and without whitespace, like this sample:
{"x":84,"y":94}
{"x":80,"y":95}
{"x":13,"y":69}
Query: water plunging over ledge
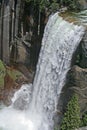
{"x":59,"y":42}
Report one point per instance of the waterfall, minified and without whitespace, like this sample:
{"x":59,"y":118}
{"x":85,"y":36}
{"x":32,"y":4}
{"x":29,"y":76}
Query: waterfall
{"x":59,"y":42}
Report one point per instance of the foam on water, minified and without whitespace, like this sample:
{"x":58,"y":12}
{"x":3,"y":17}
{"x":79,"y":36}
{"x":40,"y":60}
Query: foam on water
{"x":11,"y":119}
{"x":59,"y":42}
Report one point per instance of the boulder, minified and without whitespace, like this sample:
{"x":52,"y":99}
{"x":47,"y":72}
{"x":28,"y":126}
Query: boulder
{"x":20,"y":53}
{"x":83,"y":4}
{"x":84,"y":52}
{"x":76,"y":83}
{"x":79,"y":86}
{"x":10,"y":81}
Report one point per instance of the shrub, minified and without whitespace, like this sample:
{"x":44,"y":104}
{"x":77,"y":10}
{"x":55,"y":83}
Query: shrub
{"x":71,"y":118}
{"x":84,"y":120}
{"x":71,"y":4}
{"x":42,"y":4}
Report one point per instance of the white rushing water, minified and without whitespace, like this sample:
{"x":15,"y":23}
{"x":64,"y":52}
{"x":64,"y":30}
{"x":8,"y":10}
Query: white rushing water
{"x":59,"y":42}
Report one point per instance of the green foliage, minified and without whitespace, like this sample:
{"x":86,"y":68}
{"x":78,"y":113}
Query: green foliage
{"x":84,"y":120}
{"x":14,"y":74}
{"x":71,"y":118}
{"x":71,"y":4}
{"x":54,"y":5}
{"x":45,"y":4}
{"x":42,"y":4}
{"x":2,"y":73}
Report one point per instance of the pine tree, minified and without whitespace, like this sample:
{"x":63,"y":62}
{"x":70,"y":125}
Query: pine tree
{"x":42,"y":4}
{"x":71,"y":118}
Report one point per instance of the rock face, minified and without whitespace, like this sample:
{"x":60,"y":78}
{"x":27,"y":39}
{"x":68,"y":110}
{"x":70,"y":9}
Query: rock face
{"x":10,"y":81}
{"x":77,"y":83}
{"x":83,"y":4}
{"x":84,"y":51}
{"x":20,"y":53}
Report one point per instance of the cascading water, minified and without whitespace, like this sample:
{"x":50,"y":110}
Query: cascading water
{"x":59,"y":42}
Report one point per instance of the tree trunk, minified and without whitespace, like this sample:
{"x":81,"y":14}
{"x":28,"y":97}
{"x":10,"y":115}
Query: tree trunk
{"x":5,"y":33}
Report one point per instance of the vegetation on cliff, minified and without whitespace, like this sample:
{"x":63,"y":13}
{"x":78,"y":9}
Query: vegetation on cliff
{"x":71,"y":118}
{"x":2,"y":74}
{"x":55,"y":4}
{"x":43,"y":4}
{"x":84,"y":120}
{"x":10,"y":80}
{"x":71,"y":4}
{"x":5,"y":70}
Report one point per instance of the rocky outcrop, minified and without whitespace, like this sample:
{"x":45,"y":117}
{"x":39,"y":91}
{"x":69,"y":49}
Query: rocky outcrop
{"x":20,"y":53}
{"x":10,"y":81}
{"x":84,"y":52}
{"x":76,"y":83}
{"x":83,"y":4}
{"x":79,"y":85}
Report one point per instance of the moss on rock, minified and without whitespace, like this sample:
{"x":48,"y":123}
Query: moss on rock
{"x":2,"y":74}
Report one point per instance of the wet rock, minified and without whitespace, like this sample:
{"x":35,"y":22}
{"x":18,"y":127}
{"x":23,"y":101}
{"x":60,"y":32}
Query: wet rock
{"x":22,"y":97}
{"x":76,"y":83}
{"x":20,"y":53}
{"x":79,"y":86}
{"x":10,"y":81}
{"x":83,"y":4}
{"x":29,"y":73}
{"x":2,"y":74}
{"x":84,"y":52}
